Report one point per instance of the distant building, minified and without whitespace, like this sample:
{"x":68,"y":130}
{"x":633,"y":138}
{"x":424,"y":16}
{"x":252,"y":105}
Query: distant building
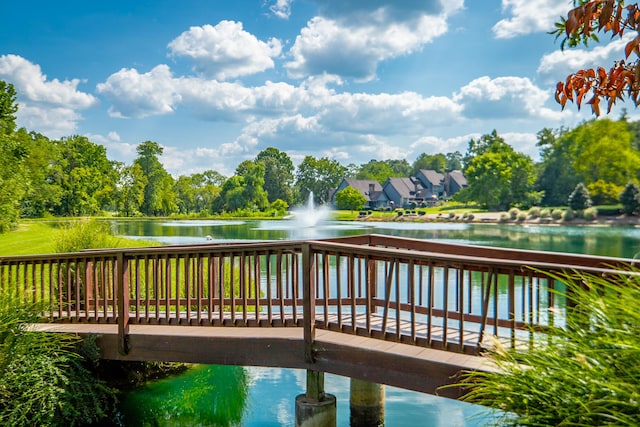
{"x":432,"y":181}
{"x":427,"y":188}
{"x":454,"y":182}
{"x":371,"y":190}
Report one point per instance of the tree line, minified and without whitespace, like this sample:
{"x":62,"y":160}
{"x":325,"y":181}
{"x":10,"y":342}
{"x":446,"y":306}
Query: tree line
{"x":73,"y":176}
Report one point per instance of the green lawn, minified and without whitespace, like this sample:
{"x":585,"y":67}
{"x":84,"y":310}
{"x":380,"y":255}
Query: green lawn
{"x":39,"y":237}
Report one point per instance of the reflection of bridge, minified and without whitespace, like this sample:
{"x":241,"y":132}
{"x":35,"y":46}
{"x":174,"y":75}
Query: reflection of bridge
{"x":403,"y":312}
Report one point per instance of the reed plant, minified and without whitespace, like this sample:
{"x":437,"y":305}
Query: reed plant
{"x":586,"y":374}
{"x":45,"y":379}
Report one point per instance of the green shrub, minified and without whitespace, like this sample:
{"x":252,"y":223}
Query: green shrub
{"x":590,"y":214}
{"x":504,"y":217}
{"x":545,"y":213}
{"x":534,"y":212}
{"x":75,"y":236}
{"x":568,"y":215}
{"x":44,"y":379}
{"x":630,"y":198}
{"x":557,"y":214}
{"x":513,"y":213}
{"x":585,"y":374}
{"x":522,"y":216}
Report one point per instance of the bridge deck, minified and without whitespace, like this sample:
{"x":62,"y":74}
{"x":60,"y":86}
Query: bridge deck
{"x":401,"y":365}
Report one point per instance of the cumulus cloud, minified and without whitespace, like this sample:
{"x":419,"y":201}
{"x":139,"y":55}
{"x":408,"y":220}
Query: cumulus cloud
{"x":352,"y":38}
{"x":225,"y":50}
{"x":140,"y":95}
{"x":434,"y":144}
{"x":504,"y":97}
{"x":528,"y":16}
{"x":47,"y":106}
{"x":281,"y":8}
{"x":557,"y":65}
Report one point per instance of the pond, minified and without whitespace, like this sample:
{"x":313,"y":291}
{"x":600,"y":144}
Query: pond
{"x":237,"y":396}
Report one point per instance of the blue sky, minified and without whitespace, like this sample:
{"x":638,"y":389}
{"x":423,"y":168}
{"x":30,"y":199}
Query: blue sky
{"x":216,"y":82}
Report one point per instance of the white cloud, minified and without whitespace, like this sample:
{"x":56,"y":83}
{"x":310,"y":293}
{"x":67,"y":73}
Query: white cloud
{"x":281,"y":8}
{"x":352,"y":44}
{"x":523,"y":143}
{"x":116,"y":149}
{"x":225,"y":50}
{"x":504,"y":97}
{"x":434,"y":144}
{"x":557,"y":65}
{"x":47,"y":106}
{"x":528,"y":16}
{"x":140,"y":95}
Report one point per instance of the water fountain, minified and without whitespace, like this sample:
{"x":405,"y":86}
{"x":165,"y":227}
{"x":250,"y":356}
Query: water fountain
{"x":309,"y":215}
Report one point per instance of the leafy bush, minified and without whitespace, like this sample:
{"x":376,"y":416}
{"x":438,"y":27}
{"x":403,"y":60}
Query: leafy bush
{"x":534,"y":212}
{"x":44,"y":380}
{"x":585,"y":374}
{"x":522,"y":216}
{"x":75,"y":236}
{"x":504,"y":217}
{"x":557,"y":214}
{"x":590,"y":214}
{"x":513,"y":213}
{"x":568,"y":215}
{"x":545,"y":213}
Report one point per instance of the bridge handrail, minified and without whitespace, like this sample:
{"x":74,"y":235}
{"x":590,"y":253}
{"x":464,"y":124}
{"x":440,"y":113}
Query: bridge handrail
{"x":432,"y":294}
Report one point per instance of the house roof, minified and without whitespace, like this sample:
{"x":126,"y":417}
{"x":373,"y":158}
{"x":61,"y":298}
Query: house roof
{"x":458,"y":177}
{"x":364,"y":187}
{"x":435,"y":178}
{"x":407,"y":188}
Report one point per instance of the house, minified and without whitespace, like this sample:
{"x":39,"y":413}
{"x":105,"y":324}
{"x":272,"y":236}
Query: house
{"x":371,"y":190}
{"x":454,"y":182}
{"x":432,"y":181}
{"x":404,"y":191}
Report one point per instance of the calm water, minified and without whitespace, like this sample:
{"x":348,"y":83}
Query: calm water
{"x":236,"y":396}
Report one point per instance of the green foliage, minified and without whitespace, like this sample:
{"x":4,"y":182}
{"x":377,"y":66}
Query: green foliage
{"x":579,"y":199}
{"x":603,"y":193}
{"x":44,"y":380}
{"x":159,"y":198}
{"x":8,"y":108}
{"x":557,"y":214}
{"x":75,"y":236}
{"x":350,"y":198}
{"x":279,"y":206}
{"x":534,"y":212}
{"x":278,"y":174}
{"x":590,"y":214}
{"x":319,"y":176}
{"x":630,"y":198}
{"x":586,"y":373}
{"x":498,"y":176}
{"x":513,"y":213}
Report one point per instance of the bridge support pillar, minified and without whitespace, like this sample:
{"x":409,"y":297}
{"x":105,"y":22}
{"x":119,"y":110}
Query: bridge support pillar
{"x":366,"y":403}
{"x":315,"y":408}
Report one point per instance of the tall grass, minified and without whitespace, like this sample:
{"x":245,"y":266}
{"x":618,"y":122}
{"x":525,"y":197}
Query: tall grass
{"x":45,"y":378}
{"x":588,"y":374}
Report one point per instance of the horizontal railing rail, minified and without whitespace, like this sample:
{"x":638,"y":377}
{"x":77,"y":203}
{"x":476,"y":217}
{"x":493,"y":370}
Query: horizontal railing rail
{"x":431,"y":294}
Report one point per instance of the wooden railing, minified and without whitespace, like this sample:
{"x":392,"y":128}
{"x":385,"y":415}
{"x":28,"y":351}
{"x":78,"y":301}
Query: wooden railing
{"x":450,"y":297}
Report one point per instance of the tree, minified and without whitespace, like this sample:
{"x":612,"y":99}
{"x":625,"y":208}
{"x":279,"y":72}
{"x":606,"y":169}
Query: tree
{"x":579,"y":199}
{"x":130,"y":189}
{"x":350,"y":199}
{"x":8,"y":108}
{"x":630,"y":198}
{"x":319,"y":176}
{"x":375,"y":171}
{"x":437,"y":162}
{"x":278,"y":174}
{"x":582,"y":24}
{"x":158,"y":193}
{"x":556,"y":177}
{"x":498,"y":176}
{"x":88,"y":177}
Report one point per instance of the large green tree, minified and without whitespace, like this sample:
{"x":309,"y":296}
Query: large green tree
{"x":318,"y":176}
{"x":350,"y":199}
{"x":376,"y":170}
{"x":12,"y":155}
{"x":278,"y":174}
{"x":498,"y":176}
{"x":88,"y":178}
{"x":159,"y":198}
{"x":130,"y":189}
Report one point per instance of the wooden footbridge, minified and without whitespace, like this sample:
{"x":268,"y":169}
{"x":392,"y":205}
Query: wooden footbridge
{"x":403,"y":312}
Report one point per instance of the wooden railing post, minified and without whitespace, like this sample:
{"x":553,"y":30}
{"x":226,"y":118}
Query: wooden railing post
{"x":122,"y":286}
{"x":309,"y":301}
